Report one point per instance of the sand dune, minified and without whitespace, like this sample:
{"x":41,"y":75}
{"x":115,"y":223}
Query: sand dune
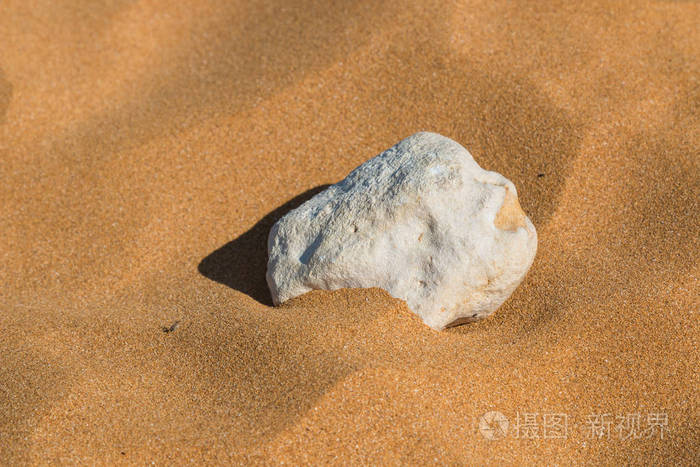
{"x":147,"y":147}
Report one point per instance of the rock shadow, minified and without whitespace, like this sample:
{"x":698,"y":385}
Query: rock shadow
{"x":242,"y":262}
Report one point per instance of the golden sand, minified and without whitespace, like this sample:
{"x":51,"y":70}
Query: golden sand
{"x":146,"y":147}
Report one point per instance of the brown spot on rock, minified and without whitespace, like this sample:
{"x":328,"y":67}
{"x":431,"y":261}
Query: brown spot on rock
{"x":511,"y":215}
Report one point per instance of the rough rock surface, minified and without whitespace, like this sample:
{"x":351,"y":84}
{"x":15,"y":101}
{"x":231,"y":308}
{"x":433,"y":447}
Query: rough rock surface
{"x":421,"y":220}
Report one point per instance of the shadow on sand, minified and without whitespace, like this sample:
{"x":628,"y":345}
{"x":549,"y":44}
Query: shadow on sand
{"x":242,"y":262}
{"x":5,"y":95}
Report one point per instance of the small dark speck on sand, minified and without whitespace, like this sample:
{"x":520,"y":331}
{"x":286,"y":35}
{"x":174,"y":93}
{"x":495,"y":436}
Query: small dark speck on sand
{"x":171,"y":328}
{"x":540,"y":175}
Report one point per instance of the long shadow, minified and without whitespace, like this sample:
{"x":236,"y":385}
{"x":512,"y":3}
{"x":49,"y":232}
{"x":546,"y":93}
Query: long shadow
{"x":242,"y":262}
{"x":26,"y":395}
{"x":234,"y":77}
{"x":5,"y":95}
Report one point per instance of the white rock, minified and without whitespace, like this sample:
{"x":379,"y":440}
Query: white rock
{"x":421,"y":220}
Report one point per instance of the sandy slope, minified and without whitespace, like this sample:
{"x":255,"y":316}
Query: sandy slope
{"x":146,"y":149}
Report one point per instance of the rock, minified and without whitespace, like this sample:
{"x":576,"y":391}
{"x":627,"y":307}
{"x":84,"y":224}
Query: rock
{"x":421,"y":220}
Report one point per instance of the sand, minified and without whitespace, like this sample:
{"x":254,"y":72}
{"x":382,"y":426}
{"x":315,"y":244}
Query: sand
{"x":147,"y":147}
